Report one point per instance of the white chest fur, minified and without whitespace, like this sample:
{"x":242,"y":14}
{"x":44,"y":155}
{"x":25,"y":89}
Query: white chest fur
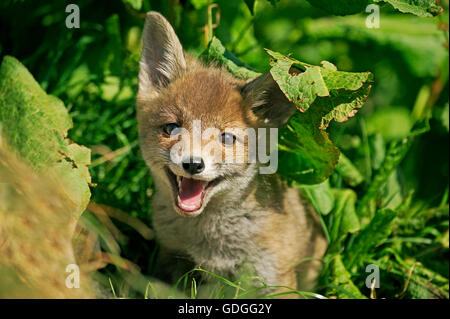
{"x":220,"y":240}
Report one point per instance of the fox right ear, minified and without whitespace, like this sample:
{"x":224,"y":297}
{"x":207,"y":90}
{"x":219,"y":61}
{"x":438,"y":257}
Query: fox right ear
{"x":162,"y":57}
{"x":267,"y":102}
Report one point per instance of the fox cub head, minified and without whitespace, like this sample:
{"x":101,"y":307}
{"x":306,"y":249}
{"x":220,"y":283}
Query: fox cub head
{"x":199,"y":125}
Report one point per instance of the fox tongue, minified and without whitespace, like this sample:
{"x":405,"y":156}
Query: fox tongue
{"x":190,"y":194}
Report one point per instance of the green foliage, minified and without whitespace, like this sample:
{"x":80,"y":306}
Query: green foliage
{"x":303,"y":83}
{"x":320,"y":195}
{"x":321,"y":94}
{"x":350,"y":174}
{"x":395,"y":153}
{"x":373,"y":234}
{"x":384,"y":202}
{"x":340,"y":7}
{"x":342,"y":285}
{"x":345,"y":219}
{"x":422,"y":8}
{"x":35,"y":125}
{"x":251,"y":5}
{"x":198,"y":4}
{"x":218,"y":53}
{"x":307,"y":154}
{"x":135,"y":4}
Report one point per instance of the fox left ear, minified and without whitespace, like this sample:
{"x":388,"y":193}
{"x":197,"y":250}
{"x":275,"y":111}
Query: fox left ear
{"x":162,"y":57}
{"x":265,"y":99}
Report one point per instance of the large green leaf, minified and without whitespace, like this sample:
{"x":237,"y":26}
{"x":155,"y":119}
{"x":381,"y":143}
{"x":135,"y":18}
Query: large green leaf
{"x":302,"y":83}
{"x":344,"y":215}
{"x":35,"y":125}
{"x":217,"y":52}
{"x":322,"y":94}
{"x":422,"y":8}
{"x":344,"y":288}
{"x":306,"y":152}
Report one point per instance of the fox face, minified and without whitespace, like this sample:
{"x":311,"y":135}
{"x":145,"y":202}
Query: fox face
{"x":198,"y":124}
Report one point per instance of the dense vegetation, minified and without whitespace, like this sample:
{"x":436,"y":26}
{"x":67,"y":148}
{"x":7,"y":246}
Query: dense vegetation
{"x":386,"y":203}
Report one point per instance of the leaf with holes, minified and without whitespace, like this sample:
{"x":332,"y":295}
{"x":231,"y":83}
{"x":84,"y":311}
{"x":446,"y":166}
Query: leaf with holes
{"x":302,"y":83}
{"x":322,"y":94}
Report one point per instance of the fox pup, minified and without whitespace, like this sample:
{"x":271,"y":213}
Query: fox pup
{"x":209,"y":213}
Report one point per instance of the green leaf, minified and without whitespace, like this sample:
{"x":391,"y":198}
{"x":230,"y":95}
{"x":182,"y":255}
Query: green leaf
{"x":320,"y":196}
{"x":391,"y":193}
{"x":420,"y":127}
{"x":421,"y":8}
{"x":36,"y":124}
{"x":301,"y":86}
{"x":114,"y":57}
{"x":135,"y":4}
{"x":321,"y":94}
{"x":419,"y":281}
{"x":395,"y":153}
{"x":344,"y":215}
{"x":307,"y":153}
{"x":217,"y":52}
{"x":377,"y":150}
{"x":443,"y":117}
{"x":251,"y":5}
{"x":341,"y":279}
{"x":348,"y":171}
{"x":372,"y":235}
{"x":340,"y":7}
{"x":302,"y":83}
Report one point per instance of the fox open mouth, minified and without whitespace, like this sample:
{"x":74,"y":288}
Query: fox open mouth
{"x":190,"y":192}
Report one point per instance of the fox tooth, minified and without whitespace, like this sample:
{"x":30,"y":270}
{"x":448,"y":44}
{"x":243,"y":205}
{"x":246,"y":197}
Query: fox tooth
{"x":179,"y":180}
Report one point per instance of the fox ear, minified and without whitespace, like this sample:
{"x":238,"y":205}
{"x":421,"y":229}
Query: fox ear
{"x":162,"y":57}
{"x":265,"y":99}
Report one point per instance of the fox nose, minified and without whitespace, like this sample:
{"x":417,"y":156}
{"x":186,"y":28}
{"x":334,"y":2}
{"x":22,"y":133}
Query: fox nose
{"x":194,"y":166}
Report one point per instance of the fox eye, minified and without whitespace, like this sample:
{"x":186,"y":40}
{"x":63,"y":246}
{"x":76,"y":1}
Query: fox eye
{"x":169,"y":128}
{"x":227,"y":139}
